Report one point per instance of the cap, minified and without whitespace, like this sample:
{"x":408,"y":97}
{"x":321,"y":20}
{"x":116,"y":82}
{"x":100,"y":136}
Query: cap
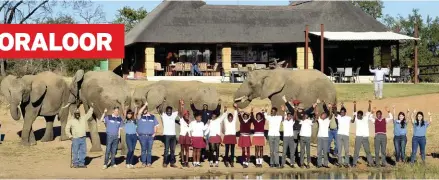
{"x":185,"y":113}
{"x":296,"y":102}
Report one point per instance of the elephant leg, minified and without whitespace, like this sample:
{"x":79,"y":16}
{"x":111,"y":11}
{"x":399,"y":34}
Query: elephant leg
{"x":62,"y":117}
{"x":27,"y":129}
{"x":32,"y":140}
{"x":94,"y":135}
{"x":48,"y":134}
{"x":123,"y":144}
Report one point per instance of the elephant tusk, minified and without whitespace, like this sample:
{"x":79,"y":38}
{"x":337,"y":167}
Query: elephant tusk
{"x":8,"y":105}
{"x":243,"y":98}
{"x":66,"y":106}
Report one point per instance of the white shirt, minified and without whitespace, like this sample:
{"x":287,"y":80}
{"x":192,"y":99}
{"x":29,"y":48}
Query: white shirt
{"x":362,"y":126}
{"x":169,"y":123}
{"x":230,"y":127}
{"x":306,"y":128}
{"x":184,"y":127}
{"x":197,"y":128}
{"x":288,"y":128}
{"x":215,"y":125}
{"x":323,"y":127}
{"x":379,"y":74}
{"x":273,"y":124}
{"x":344,"y":124}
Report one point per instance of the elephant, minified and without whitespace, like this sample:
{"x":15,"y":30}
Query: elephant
{"x":44,"y":94}
{"x":304,"y":85}
{"x":173,"y":91}
{"x":105,"y":90}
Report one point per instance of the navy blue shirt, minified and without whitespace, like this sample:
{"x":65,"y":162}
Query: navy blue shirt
{"x":113,"y":124}
{"x":146,"y":125}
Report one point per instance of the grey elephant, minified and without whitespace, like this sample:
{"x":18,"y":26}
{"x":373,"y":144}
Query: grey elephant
{"x":106,"y":90}
{"x":30,"y":96}
{"x":304,"y":85}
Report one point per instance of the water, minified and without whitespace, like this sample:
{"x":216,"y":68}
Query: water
{"x":318,"y":175}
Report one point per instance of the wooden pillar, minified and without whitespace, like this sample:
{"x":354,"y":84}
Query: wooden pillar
{"x":114,"y":63}
{"x":416,"y":55}
{"x":226,"y":53}
{"x":397,"y":55}
{"x":149,"y":61}
{"x":322,"y":48}
{"x":306,"y":46}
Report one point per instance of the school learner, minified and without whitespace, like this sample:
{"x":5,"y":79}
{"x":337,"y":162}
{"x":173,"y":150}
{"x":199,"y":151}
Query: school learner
{"x":169,"y":133}
{"x":296,"y":126}
{"x":288,"y":139}
{"x":244,"y":141}
{"x":420,"y":126}
{"x":274,"y":121}
{"x":362,"y":134}
{"x":184,"y":139}
{"x":322,"y":137}
{"x":259,"y":138}
{"x":113,"y":124}
{"x":400,"y":135}
{"x":197,"y":130}
{"x":230,"y":136}
{"x":214,"y":133}
{"x":380,"y":135}
{"x":147,"y":126}
{"x":344,"y":124}
{"x":305,"y":133}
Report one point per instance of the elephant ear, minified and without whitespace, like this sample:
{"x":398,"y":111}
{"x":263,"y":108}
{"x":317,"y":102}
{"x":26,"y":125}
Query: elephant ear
{"x":37,"y":91}
{"x":155,"y":96}
{"x":79,"y":75}
{"x":5,"y":85}
{"x":271,"y":85}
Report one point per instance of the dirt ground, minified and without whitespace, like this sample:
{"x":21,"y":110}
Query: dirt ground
{"x":52,"y":159}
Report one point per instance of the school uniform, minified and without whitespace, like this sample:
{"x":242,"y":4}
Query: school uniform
{"x":214,"y":135}
{"x":381,"y":138}
{"x":258,"y":136}
{"x":245,"y":130}
{"x":305,"y":140}
{"x":344,"y":124}
{"x":197,"y":130}
{"x":323,"y":141}
{"x":274,"y":123}
{"x":362,"y":138}
{"x":184,"y":138}
{"x":230,"y":138}
{"x":288,"y":141}
{"x":146,"y":129}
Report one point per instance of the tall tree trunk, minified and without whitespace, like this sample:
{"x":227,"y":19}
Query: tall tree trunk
{"x":2,"y":67}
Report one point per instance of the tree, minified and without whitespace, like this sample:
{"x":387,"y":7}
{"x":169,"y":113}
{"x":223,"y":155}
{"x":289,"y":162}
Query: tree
{"x":130,"y":16}
{"x":373,"y":8}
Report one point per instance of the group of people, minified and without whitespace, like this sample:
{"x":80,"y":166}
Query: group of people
{"x":206,"y":131}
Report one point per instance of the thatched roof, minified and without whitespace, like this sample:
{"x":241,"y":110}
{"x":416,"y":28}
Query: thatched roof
{"x":197,"y":22}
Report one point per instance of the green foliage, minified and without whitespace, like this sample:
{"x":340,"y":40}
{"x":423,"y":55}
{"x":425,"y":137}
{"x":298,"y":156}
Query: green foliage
{"x":130,"y":17}
{"x":373,"y":8}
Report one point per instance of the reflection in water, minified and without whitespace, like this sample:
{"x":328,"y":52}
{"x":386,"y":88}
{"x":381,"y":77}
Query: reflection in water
{"x":314,"y":175}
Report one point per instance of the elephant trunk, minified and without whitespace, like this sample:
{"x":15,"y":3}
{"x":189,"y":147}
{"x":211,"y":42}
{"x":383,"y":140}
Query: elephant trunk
{"x":15,"y":111}
{"x":242,"y":96}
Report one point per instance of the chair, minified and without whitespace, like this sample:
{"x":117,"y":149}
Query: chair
{"x":332,"y":75}
{"x":158,"y":68}
{"x":203,"y":68}
{"x":211,"y":71}
{"x":356,"y":75}
{"x":179,"y":69}
{"x":187,"y":67}
{"x":396,"y":74}
{"x":260,"y":66}
{"x":348,"y":74}
{"x":224,"y":75}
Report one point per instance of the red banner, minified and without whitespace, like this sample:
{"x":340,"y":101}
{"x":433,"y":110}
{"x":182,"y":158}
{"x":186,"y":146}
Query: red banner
{"x":63,"y":41}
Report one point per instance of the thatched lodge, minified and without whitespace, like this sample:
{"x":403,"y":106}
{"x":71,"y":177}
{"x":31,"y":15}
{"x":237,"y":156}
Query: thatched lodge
{"x":222,"y":37}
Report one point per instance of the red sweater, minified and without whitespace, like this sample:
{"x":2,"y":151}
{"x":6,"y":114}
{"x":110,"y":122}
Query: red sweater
{"x":380,"y":126}
{"x":245,"y":127}
{"x":259,"y":126}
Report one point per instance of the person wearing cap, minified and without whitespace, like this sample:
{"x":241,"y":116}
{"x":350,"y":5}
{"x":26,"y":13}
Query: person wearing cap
{"x":78,"y":127}
{"x":130,"y":127}
{"x":113,"y":124}
{"x":147,"y":125}
{"x":184,"y":139}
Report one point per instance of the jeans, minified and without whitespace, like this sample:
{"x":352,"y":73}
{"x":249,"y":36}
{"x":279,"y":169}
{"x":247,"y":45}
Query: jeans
{"x":322,"y":151}
{"x":305,"y":143}
{"x":111,"y":149}
{"x":131,"y":140}
{"x":289,"y":142}
{"x":79,"y":152}
{"x":333,"y":137}
{"x":421,"y":142}
{"x":362,"y":141}
{"x":195,"y":69}
{"x":343,"y":144}
{"x":274,"y":149}
{"x":170,"y":141}
{"x":380,"y":146}
{"x":146,"y":142}
{"x":379,"y":89}
{"x":400,"y":143}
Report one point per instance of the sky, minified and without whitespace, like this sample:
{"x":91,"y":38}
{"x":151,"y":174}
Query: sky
{"x":392,"y":8}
